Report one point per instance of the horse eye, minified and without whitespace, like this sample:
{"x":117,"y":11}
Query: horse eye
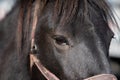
{"x":61,"y":40}
{"x":61,"y":43}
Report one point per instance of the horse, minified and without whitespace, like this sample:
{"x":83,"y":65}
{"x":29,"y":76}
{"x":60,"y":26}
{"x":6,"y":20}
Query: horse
{"x":71,"y":39}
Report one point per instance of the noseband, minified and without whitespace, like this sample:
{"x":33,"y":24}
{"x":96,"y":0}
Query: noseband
{"x":35,"y":61}
{"x":50,"y":76}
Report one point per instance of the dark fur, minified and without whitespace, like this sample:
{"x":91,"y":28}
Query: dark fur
{"x":83,"y":23}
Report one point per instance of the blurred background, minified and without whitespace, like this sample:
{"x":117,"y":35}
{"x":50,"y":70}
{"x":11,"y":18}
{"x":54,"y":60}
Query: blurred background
{"x":6,"y":6}
{"x":115,"y":44}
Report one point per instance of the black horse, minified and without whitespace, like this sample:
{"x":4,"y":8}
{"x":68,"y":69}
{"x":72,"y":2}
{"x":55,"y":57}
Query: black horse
{"x":72,"y":39}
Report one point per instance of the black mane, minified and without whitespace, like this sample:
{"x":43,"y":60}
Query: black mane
{"x":63,"y":13}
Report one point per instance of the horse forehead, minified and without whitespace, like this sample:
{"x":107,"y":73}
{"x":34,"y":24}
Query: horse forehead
{"x":75,"y":27}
